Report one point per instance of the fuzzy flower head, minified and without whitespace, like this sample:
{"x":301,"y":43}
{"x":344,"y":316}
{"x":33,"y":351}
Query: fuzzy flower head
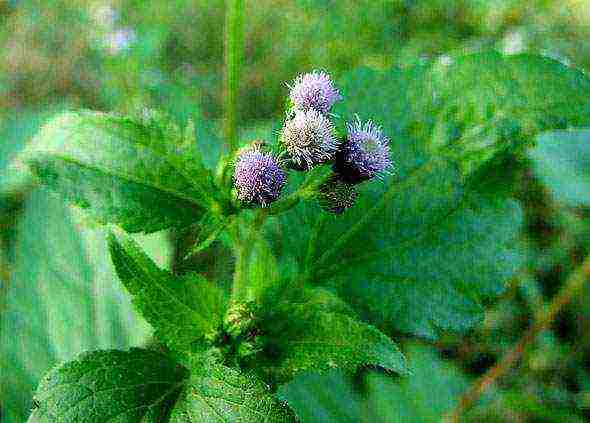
{"x":309,"y":139}
{"x":365,"y":154}
{"x":336,"y":196}
{"x":315,"y":91}
{"x":258,"y":178}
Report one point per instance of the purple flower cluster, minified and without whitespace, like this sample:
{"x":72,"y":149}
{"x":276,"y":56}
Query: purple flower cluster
{"x":258,"y":178}
{"x":309,"y":138}
{"x":315,"y":91}
{"x":364,"y":154}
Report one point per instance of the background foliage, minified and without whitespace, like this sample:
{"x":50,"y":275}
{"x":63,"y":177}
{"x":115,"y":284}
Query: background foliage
{"x":118,"y":55}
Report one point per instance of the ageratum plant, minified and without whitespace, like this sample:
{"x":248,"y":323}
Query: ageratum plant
{"x":365,"y":219}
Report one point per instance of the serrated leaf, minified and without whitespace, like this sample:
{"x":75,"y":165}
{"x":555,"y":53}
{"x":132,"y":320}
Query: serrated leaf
{"x":562,"y":160}
{"x":217,"y":393}
{"x":487,"y":104}
{"x":182,"y":310}
{"x":419,"y":252}
{"x":122,"y":171}
{"x":314,"y":329}
{"x":415,"y":256}
{"x":110,"y":386}
{"x":57,"y":305}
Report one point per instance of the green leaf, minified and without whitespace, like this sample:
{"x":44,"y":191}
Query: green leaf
{"x":182,"y":310}
{"x":420,"y":251}
{"x":124,"y":171}
{"x":110,"y":385}
{"x":473,"y":107}
{"x":487,"y":104}
{"x":314,"y":329}
{"x":427,"y":396}
{"x":328,"y":397}
{"x":54,"y":306}
{"x":562,"y":160}
{"x":217,"y":393}
{"x":415,"y":256}
{"x":209,"y":229}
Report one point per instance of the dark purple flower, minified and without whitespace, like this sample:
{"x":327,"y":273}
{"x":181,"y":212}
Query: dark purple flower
{"x":314,"y":90}
{"x":364,"y":154}
{"x":258,"y":178}
{"x":309,"y":139}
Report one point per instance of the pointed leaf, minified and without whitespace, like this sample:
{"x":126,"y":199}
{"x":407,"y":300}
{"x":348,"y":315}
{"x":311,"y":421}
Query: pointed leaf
{"x":122,"y":171}
{"x":316,"y":330}
{"x":182,"y":310}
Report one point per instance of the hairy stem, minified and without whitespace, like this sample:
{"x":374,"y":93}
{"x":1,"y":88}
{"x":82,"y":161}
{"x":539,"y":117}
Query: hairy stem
{"x":244,"y":247}
{"x":573,"y":285}
{"x":234,"y":40}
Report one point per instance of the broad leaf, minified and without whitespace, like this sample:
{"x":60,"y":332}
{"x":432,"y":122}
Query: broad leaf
{"x":110,"y":386}
{"x":487,"y":104}
{"x":431,"y":392}
{"x":419,"y":252}
{"x":328,"y":397}
{"x":313,"y":329}
{"x":58,"y":305}
{"x":562,"y":160}
{"x":217,"y":393}
{"x":472,"y":107}
{"x":132,"y":173}
{"x":415,"y":256}
{"x":182,"y":310}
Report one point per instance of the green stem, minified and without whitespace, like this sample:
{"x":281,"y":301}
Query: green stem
{"x":306,"y":190}
{"x":234,"y":41}
{"x":244,"y":247}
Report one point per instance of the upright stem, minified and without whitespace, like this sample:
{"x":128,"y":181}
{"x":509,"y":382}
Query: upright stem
{"x":572,"y":286}
{"x":234,"y":41}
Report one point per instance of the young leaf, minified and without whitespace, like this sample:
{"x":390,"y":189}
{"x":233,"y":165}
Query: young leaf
{"x":123,"y":171}
{"x":216,"y":393}
{"x":314,"y":329}
{"x":562,"y":160}
{"x":182,"y":310}
{"x":110,"y":385}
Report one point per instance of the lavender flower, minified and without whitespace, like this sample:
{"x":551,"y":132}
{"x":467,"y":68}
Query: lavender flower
{"x":314,"y":90}
{"x":335,"y":195}
{"x":258,"y":178}
{"x":365,"y":153}
{"x":309,"y":139}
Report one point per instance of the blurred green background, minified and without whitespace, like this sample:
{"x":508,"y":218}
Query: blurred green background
{"x":59,"y":295}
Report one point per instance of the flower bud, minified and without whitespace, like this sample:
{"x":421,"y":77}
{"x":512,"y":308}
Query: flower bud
{"x":309,"y":139}
{"x":258,"y":178}
{"x":364,"y":154}
{"x":335,"y":195}
{"x":314,"y":90}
